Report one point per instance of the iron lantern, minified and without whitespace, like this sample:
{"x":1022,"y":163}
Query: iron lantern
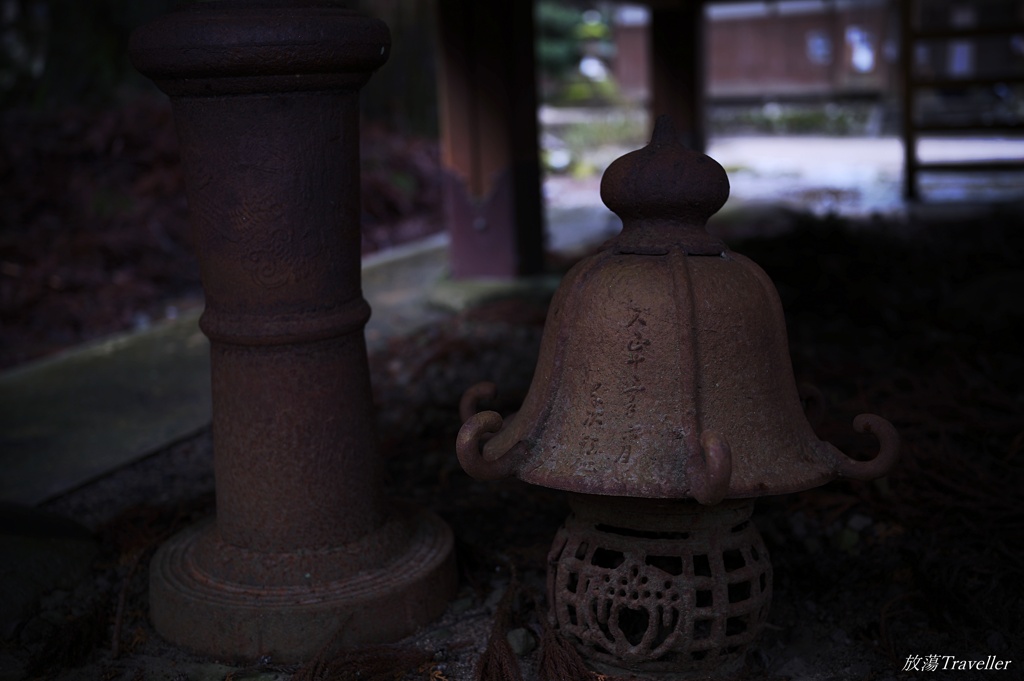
{"x":664,"y":402}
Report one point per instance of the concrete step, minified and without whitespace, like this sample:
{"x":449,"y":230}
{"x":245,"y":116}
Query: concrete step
{"x":71,"y":418}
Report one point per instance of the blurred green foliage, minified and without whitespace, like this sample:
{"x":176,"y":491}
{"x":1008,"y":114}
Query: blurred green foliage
{"x":59,"y":52}
{"x":558,"y":45}
{"x":567,"y":32}
{"x":56,"y":53}
{"x":848,"y":118}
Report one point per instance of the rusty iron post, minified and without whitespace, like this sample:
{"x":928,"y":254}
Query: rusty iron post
{"x":304,"y":545}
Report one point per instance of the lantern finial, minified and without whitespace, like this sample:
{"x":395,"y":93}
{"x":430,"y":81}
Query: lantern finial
{"x":665,"y":194}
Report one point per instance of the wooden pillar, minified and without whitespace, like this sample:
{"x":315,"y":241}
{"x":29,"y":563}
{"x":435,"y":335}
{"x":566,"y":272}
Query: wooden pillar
{"x":488,"y":102}
{"x":677,"y":67}
{"x":908,"y":133}
{"x":305,"y":548}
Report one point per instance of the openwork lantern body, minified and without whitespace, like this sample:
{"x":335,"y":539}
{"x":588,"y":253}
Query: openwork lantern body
{"x":663,"y":397}
{"x":662,"y":587}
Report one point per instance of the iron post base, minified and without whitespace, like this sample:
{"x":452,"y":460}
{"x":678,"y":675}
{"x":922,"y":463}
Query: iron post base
{"x":193,"y":607}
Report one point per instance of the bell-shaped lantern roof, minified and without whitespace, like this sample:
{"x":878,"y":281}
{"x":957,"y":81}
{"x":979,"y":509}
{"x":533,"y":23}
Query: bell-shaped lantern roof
{"x":664,"y":369}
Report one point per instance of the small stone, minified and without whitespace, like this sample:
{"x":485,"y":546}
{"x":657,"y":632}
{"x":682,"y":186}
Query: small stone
{"x":859,"y":522}
{"x":461,"y":605}
{"x":759,"y":659}
{"x":211,"y":671}
{"x":794,"y":667}
{"x":847,"y":541}
{"x":442,"y":634}
{"x":521,"y":641}
{"x":491,"y":601}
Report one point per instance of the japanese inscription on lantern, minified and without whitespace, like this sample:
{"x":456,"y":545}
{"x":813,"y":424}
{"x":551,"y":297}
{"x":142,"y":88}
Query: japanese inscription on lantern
{"x":592,"y":418}
{"x":636,"y":346}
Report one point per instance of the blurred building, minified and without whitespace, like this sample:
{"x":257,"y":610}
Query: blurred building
{"x":800,"y":49}
{"x":805,"y":48}
{"x":790,"y":49}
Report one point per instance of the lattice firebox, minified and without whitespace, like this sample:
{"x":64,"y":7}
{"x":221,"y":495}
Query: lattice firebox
{"x":668,"y":588}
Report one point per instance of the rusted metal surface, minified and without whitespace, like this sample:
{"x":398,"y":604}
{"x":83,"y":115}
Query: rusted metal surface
{"x":265,"y":99}
{"x":664,"y":369}
{"x":659,"y":586}
{"x":663,"y":397}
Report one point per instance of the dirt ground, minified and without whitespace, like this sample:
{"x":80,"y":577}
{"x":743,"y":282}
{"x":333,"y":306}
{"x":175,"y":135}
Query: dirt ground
{"x":918,"y":322}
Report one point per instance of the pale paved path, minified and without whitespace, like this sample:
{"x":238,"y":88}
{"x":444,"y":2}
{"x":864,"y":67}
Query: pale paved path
{"x":849,"y":176}
{"x":68,"y":419}
{"x":857,"y":175}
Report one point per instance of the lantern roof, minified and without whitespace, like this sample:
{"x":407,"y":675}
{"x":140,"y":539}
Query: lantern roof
{"x":664,"y":368}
